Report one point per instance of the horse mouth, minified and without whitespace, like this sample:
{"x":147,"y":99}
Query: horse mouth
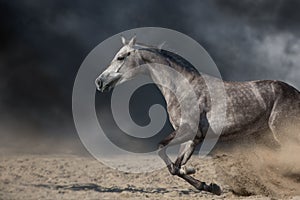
{"x":106,"y":88}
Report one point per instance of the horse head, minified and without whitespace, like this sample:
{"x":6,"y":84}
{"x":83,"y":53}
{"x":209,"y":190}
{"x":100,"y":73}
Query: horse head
{"x":121,"y":68}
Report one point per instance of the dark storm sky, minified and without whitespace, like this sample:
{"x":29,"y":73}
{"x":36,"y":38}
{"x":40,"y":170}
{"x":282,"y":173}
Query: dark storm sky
{"x":42,"y":44}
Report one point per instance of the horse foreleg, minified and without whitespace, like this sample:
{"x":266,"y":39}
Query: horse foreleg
{"x":163,"y":155}
{"x":202,"y":186}
{"x":176,"y":137}
{"x":176,"y":169}
{"x":173,"y":168}
{"x":185,"y":153}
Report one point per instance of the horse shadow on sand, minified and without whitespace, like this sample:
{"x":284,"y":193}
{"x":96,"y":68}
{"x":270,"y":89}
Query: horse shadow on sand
{"x":114,"y":189}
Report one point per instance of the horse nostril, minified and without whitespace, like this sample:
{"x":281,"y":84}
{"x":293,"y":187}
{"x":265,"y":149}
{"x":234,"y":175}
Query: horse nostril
{"x":98,"y":82}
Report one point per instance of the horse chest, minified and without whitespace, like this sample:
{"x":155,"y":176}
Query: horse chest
{"x":174,"y":115}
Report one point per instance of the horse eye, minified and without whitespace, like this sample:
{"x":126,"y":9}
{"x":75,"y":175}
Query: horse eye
{"x":121,"y":58}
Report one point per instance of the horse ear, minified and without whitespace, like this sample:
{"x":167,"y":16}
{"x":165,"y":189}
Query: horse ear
{"x":160,"y":46}
{"x":123,"y":40}
{"x":132,"y":41}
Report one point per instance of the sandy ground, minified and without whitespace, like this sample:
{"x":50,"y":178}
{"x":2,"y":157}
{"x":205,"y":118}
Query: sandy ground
{"x":248,"y":174}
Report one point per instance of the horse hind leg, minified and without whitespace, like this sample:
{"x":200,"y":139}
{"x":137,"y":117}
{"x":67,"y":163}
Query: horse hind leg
{"x":274,"y":127}
{"x":284,"y":120}
{"x":284,"y":123}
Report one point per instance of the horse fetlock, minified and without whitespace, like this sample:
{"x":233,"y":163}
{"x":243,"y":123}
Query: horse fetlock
{"x":186,"y":170}
{"x":202,"y":186}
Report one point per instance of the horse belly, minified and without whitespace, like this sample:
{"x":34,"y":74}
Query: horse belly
{"x":235,"y":126}
{"x":248,"y":108}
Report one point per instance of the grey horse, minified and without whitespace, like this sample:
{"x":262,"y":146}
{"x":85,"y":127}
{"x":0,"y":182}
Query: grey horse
{"x":251,"y":107}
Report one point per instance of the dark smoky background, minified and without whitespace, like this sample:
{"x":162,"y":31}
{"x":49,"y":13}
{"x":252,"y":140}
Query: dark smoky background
{"x":43,"y":43}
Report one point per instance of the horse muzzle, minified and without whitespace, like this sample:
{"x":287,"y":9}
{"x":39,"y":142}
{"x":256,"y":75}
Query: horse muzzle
{"x":106,"y":84}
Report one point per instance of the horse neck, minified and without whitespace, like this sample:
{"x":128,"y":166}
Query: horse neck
{"x":161,"y":71}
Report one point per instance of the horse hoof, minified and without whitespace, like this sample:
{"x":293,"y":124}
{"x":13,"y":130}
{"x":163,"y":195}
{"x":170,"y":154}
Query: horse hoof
{"x":215,"y":189}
